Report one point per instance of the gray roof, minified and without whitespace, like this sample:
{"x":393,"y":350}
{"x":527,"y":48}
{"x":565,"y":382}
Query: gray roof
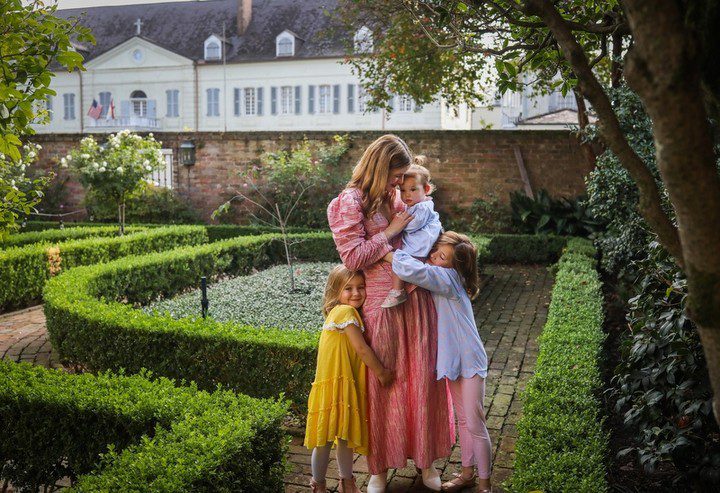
{"x":183,"y":27}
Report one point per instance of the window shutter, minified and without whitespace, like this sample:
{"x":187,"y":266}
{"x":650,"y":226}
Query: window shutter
{"x":311,"y":100}
{"x":336,"y":98}
{"x":351,"y":98}
{"x":273,"y":100}
{"x":125,"y":108}
{"x":152,"y":108}
{"x":49,"y":107}
{"x":237,"y":101}
{"x":418,"y":107}
{"x":298,"y":101}
{"x":259,"y":93}
{"x":168,"y":103}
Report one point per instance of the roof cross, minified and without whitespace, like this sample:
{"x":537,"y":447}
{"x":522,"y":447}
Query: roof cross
{"x":138,"y":24}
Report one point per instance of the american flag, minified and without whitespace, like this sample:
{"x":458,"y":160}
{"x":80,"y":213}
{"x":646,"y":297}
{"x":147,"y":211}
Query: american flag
{"x":111,"y":110}
{"x":95,"y":110}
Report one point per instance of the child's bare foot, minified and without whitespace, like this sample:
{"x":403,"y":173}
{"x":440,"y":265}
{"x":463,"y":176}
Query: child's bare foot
{"x":394,"y":298}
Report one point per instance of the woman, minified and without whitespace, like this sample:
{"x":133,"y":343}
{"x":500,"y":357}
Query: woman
{"x":409,"y":419}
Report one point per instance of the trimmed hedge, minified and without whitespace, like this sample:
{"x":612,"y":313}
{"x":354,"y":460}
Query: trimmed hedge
{"x":24,"y":270}
{"x":525,"y":249}
{"x":561,"y":445}
{"x":148,"y":436}
{"x":66,"y":234}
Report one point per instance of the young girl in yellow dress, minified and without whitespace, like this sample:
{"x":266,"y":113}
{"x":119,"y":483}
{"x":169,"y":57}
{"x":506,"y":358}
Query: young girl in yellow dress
{"x":337,"y":405}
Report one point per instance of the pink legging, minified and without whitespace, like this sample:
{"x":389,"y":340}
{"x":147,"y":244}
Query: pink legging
{"x":468,"y":395}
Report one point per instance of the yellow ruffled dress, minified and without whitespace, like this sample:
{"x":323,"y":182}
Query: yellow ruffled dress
{"x":337,"y":404}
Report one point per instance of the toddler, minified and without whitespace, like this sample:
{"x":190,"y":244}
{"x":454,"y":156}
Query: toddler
{"x":337,"y":411}
{"x":420,"y":234}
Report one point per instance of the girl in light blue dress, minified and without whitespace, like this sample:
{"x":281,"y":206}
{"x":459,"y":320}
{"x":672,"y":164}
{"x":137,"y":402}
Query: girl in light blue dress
{"x":451,"y":275}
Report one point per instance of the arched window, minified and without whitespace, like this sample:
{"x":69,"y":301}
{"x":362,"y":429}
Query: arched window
{"x":363,"y":40}
{"x":285,"y":46}
{"x":138,"y":100}
{"x":212,"y":51}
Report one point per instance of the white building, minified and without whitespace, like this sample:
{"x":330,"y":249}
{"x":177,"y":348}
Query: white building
{"x":236,"y":65}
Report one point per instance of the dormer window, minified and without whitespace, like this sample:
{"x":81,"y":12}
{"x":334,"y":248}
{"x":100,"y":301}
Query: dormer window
{"x":285,"y":44}
{"x":213,"y":48}
{"x":363,"y":40}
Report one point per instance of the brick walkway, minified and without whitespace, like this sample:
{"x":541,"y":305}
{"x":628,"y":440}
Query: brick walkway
{"x":510,"y":313}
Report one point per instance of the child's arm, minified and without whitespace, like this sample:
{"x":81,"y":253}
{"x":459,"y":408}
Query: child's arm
{"x":367,"y":355}
{"x":421,"y":217}
{"x":431,"y":277}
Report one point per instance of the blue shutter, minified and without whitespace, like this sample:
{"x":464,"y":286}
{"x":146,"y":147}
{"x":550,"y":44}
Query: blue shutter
{"x":152,"y":108}
{"x":351,"y":98}
{"x":259,"y":93}
{"x":311,"y":100}
{"x":168,"y":103}
{"x":125,"y":109}
{"x":298,"y":101}
{"x":273,"y":100}
{"x":236,"y":94}
{"x":336,"y":98}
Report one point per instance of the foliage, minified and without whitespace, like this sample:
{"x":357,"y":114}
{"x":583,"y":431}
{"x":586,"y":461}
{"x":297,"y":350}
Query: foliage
{"x":58,"y":235}
{"x":117,"y":168}
{"x":561,"y":444}
{"x":545,"y":215}
{"x":260,"y":299}
{"x":24,"y":270}
{"x":661,"y":383}
{"x":147,"y":204}
{"x":19,"y":192}
{"x":523,"y":249}
{"x":481,"y":217}
{"x":145,"y":433}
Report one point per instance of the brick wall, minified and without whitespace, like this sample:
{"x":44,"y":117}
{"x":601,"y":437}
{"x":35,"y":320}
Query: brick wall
{"x":465,"y":164}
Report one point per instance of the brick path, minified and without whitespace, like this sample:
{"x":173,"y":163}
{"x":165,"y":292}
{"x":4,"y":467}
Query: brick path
{"x":510,"y":312}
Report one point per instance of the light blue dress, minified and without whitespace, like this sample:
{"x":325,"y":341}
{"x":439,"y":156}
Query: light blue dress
{"x":460,"y":351}
{"x":422,"y":232}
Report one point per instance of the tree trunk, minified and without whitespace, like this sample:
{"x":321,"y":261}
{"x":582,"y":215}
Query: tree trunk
{"x":281,"y":222}
{"x":583,"y":121}
{"x":615,"y":67}
{"x":665,"y":72}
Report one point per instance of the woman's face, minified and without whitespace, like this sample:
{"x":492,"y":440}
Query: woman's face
{"x":442,"y":256}
{"x":353,"y":293}
{"x":395,"y":178}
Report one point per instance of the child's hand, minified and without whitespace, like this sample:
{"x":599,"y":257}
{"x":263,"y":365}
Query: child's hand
{"x":398,"y":223}
{"x":386,"y":377}
{"x":388,"y":257}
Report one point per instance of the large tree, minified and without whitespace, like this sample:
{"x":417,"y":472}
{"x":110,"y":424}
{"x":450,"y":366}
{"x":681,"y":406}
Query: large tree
{"x":31,"y":38}
{"x":664,"y":49}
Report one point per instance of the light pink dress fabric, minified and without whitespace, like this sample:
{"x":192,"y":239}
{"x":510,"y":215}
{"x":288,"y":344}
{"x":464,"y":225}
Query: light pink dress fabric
{"x":411,"y":418}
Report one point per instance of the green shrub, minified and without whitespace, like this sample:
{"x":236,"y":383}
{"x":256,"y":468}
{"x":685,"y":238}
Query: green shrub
{"x":224,"y":231}
{"x":24,"y":270}
{"x":65,"y":234}
{"x":523,"y":249}
{"x":147,"y":435}
{"x":545,"y":215}
{"x":561,"y":445}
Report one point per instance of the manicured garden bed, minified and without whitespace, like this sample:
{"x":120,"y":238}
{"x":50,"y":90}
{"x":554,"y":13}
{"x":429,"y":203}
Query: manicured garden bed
{"x":65,"y":234}
{"x":153,"y":436}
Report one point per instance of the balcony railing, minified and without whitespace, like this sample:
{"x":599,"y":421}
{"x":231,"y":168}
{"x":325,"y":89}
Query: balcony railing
{"x":129,"y":122}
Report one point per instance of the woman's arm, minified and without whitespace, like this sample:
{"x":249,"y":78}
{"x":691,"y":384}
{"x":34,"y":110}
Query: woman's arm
{"x":367,"y":355}
{"x":431,"y":277}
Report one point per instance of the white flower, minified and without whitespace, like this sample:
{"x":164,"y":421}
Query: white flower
{"x":85,"y":156}
{"x":96,"y":165}
{"x":31,"y":154}
{"x":104,"y":163}
{"x":146,"y":162}
{"x":101,"y":170}
{"x":63,"y":163}
{"x":69,"y":157}
{"x":120,"y":170}
{"x":148,"y":168}
{"x":38,"y":146}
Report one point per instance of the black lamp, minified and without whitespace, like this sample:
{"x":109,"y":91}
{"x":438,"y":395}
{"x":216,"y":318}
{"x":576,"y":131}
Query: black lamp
{"x":187,"y":153}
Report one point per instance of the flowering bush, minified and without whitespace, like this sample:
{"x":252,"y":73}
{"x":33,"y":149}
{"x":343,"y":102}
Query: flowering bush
{"x":19,"y":192}
{"x":118,"y":167}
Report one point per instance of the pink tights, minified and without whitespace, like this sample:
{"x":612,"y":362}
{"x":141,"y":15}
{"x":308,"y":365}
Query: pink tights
{"x":468,"y":395}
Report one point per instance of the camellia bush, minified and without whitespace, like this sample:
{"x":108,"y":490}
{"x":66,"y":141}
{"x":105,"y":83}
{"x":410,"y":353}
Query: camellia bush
{"x":116,"y":168}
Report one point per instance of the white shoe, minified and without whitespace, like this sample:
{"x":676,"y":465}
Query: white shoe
{"x":431,"y":479}
{"x":377,"y":483}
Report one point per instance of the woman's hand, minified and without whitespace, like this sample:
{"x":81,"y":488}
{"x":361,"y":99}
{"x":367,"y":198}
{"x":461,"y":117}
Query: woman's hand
{"x":398,"y":223}
{"x":386,"y":377}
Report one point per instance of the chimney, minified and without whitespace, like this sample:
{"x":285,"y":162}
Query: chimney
{"x":244,"y":15}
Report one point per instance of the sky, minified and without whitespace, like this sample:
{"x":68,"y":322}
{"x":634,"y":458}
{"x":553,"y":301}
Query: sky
{"x":71,"y":4}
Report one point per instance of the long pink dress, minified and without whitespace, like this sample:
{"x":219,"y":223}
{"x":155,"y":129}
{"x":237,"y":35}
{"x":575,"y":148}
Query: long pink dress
{"x":409,"y":419}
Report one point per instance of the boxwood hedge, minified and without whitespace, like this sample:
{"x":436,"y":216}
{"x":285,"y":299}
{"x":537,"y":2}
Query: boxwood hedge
{"x":146,"y":435}
{"x":24,"y":270}
{"x":66,"y":234}
{"x":561,"y":444}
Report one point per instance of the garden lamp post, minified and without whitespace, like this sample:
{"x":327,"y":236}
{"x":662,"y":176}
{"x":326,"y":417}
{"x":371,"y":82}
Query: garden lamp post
{"x":187,"y":153}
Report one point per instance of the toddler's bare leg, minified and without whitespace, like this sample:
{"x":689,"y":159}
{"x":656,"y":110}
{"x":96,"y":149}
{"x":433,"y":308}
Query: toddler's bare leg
{"x":397,"y":294}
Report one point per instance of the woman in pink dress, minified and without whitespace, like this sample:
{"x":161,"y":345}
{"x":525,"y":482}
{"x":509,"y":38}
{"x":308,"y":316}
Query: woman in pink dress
{"x":410,"y":418}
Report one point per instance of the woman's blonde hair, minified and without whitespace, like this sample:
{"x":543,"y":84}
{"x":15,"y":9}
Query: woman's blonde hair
{"x":464,"y":260}
{"x":339,"y":277}
{"x":370,"y":175}
{"x":418,"y":171}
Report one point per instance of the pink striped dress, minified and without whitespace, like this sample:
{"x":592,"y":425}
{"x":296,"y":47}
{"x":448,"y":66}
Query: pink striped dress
{"x":409,"y":419}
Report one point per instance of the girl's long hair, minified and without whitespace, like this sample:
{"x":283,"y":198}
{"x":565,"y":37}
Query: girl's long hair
{"x":370,"y":174}
{"x":336,"y":282}
{"x":464,"y":260}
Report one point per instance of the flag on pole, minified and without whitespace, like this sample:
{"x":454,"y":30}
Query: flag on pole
{"x":95,"y":110}
{"x":111,"y":111}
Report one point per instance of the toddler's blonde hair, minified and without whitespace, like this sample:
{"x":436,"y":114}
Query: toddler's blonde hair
{"x":336,"y":282}
{"x":418,"y":171}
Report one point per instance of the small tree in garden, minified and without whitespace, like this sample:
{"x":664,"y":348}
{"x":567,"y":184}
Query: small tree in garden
{"x":116,"y":168}
{"x":287,"y":184}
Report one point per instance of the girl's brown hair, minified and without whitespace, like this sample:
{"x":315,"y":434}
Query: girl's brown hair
{"x":336,"y":282}
{"x":418,"y":171}
{"x":370,"y":175}
{"x":464,"y":260}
